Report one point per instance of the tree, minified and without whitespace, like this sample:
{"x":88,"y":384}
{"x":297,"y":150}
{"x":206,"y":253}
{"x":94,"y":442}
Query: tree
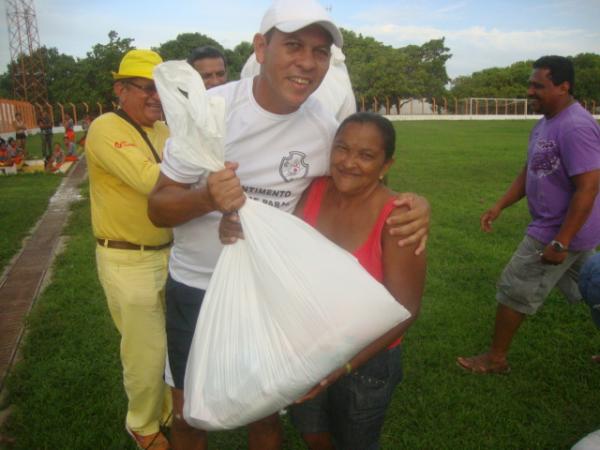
{"x":511,"y":81}
{"x":236,"y":59}
{"x":429,"y":76}
{"x":183,"y":44}
{"x":376,"y":70}
{"x":6,"y":84}
{"x":365,"y":57}
{"x":62,"y":76}
{"x":587,"y":77}
{"x":507,"y":82}
{"x":384,"y":71}
{"x":97,"y":67}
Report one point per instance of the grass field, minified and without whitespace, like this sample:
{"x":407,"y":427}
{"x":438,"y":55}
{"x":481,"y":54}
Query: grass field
{"x":23,"y":199}
{"x":67,"y":393}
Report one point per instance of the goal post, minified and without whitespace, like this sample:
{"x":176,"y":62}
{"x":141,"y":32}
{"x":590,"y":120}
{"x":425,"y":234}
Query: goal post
{"x":498,"y":106}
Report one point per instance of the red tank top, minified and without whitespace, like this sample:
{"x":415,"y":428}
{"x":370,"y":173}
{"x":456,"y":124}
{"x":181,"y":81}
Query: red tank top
{"x":369,"y":253}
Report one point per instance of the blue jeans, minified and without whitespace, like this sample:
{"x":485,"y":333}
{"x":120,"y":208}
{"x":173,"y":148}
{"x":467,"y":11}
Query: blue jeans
{"x":353,"y":409}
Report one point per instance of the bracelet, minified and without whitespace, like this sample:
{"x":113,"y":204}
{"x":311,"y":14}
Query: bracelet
{"x":348,"y":367}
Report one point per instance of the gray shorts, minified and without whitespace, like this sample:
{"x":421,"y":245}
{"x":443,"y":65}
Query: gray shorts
{"x":526,"y":281}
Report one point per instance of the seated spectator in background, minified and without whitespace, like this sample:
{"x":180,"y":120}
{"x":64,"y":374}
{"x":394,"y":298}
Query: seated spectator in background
{"x":15,"y":152}
{"x":45,"y":124}
{"x":68,"y":124}
{"x":57,"y":158}
{"x":70,"y":150}
{"x":20,"y":129}
{"x":5,"y":159}
{"x":210,"y":64}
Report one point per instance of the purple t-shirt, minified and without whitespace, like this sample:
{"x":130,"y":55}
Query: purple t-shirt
{"x":559,"y":148}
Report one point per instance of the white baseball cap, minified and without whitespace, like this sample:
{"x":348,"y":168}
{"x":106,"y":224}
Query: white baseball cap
{"x":292,"y":15}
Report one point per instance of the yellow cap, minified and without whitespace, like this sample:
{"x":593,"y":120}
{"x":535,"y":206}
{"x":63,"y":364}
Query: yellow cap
{"x":138,"y":64}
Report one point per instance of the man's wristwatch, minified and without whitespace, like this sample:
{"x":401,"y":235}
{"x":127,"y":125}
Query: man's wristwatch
{"x":558,"y":246}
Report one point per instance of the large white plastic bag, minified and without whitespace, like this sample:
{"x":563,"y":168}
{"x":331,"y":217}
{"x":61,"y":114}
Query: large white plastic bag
{"x":284,"y":307}
{"x":196,"y":122}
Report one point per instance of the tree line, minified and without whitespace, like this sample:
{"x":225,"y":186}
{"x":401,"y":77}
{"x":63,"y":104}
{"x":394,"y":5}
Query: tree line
{"x":376,"y":70}
{"x":511,"y":81}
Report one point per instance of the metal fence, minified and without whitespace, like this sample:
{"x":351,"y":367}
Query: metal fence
{"x":391,"y":106}
{"x":8,"y":109}
{"x":397,"y":106}
{"x":56,"y":111}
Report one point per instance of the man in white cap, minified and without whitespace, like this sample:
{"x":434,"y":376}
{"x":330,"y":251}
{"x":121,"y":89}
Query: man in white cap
{"x":123,"y":152}
{"x":335,"y":92}
{"x":279,"y":139}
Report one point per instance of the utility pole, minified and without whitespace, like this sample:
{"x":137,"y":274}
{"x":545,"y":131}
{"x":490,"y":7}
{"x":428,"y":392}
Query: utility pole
{"x":28,"y":72}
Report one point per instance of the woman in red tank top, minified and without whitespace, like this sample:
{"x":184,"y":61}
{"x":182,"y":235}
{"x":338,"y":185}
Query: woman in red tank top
{"x":347,"y":409}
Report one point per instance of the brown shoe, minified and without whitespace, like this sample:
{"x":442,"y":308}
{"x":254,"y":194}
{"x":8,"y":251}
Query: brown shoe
{"x":156,"y":441}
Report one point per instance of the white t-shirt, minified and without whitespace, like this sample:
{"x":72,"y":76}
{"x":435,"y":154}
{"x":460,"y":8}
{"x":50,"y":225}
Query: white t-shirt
{"x":278,"y":157}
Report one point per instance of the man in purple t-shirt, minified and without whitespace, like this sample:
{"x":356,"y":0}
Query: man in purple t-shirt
{"x":561,"y":181}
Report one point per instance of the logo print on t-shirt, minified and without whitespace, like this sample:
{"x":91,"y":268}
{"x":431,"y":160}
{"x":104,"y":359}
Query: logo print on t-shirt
{"x":545,"y":159}
{"x":123,"y":144}
{"x":293,"y":167}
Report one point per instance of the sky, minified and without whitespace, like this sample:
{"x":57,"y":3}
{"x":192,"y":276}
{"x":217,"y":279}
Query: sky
{"x":479,"y":33}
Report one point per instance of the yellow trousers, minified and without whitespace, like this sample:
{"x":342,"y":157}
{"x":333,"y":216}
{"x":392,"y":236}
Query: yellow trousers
{"x":133,"y":282}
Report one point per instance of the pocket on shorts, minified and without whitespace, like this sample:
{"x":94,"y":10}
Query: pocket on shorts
{"x":374,"y":383}
{"x":522,"y":278}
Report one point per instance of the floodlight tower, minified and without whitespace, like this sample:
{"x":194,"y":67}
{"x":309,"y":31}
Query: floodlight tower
{"x":29,"y":75}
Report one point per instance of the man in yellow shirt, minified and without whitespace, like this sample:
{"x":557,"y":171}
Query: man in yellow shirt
{"x":123,"y":151}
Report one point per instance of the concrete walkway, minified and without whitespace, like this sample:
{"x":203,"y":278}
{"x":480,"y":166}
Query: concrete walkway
{"x":23,"y":280}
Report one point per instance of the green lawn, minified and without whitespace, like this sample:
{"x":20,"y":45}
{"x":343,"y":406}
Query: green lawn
{"x":23,"y":199}
{"x":34,"y":144}
{"x":67,"y":392}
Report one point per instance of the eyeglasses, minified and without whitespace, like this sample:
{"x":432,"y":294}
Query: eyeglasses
{"x":150,"y":89}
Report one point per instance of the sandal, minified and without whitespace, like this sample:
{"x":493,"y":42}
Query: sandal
{"x":155,"y":441}
{"x":482,"y":364}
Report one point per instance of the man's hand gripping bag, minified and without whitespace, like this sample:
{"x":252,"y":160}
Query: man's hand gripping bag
{"x":284,"y":307}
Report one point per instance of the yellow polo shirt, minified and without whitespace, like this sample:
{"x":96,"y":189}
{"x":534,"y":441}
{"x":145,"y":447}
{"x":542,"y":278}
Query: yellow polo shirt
{"x":122,"y":172}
